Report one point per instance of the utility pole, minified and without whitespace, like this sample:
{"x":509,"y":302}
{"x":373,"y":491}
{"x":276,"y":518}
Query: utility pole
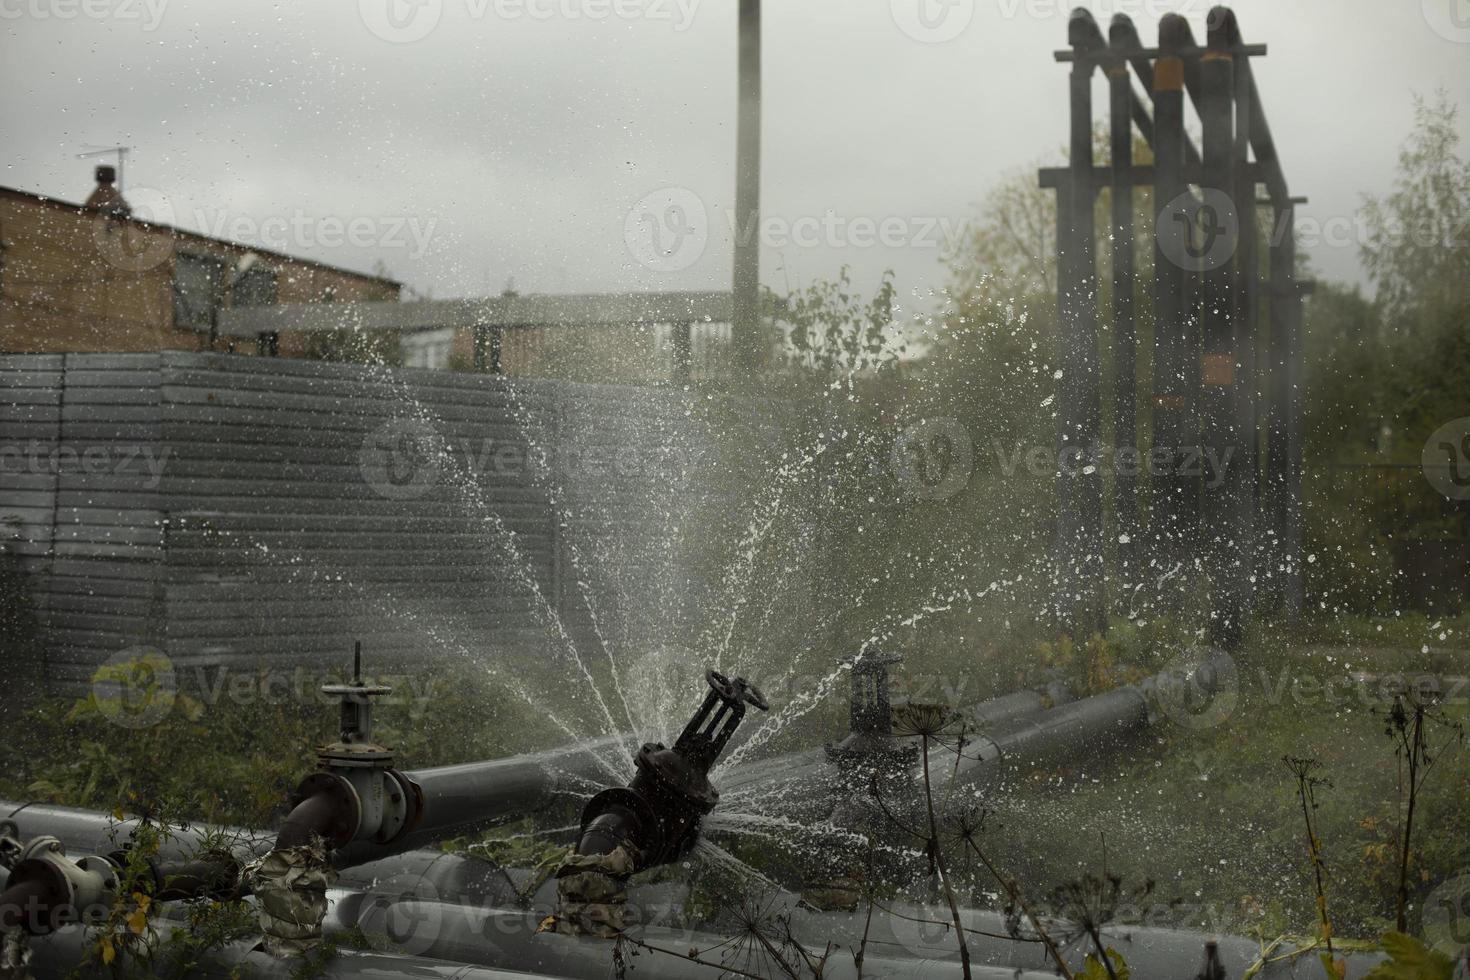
{"x":746,"y":334}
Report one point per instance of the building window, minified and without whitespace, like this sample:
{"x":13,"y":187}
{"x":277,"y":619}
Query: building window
{"x":197,"y":281}
{"x":256,"y":286}
{"x":428,"y":348}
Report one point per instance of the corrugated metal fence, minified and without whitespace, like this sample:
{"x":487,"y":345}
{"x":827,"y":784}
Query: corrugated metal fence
{"x":235,"y":509}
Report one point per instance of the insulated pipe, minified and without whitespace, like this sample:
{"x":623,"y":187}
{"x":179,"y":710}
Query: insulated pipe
{"x":1070,"y":729}
{"x":456,"y":799}
{"x":812,"y":767}
{"x":58,"y":955}
{"x":897,"y":946}
{"x":449,"y":801}
{"x":461,"y":798}
{"x":92,"y":832}
{"x":43,"y":895}
{"x":504,"y":937}
{"x":1151,"y":951}
{"x":363,"y":807}
{"x":181,"y":879}
{"x":1019,"y":703}
{"x":1064,"y":730}
{"x":446,"y":876}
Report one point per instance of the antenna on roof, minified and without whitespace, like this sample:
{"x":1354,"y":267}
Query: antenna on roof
{"x":122,"y":154}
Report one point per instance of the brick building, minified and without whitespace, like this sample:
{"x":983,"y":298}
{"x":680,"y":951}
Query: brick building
{"x":94,"y":278}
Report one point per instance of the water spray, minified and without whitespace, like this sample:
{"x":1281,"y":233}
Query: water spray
{"x":655,"y":818}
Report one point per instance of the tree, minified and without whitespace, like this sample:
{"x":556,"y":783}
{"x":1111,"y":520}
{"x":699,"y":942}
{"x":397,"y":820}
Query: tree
{"x":1417,"y":253}
{"x":1416,"y":249}
{"x":1342,"y":355}
{"x":828,"y":329}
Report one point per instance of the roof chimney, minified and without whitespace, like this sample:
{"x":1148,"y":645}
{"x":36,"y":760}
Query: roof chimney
{"x":105,"y":198}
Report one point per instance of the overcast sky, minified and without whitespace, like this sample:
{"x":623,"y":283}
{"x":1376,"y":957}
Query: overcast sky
{"x":463,"y":142}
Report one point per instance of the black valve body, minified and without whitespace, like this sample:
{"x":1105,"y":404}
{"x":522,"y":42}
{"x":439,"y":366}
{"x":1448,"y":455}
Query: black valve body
{"x":657,"y":814}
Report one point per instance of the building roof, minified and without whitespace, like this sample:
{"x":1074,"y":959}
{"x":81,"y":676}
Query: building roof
{"x":184,"y":233}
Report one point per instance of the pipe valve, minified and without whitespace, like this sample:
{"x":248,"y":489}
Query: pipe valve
{"x":656,"y":816}
{"x":355,"y":793}
{"x":47,"y":890}
{"x":871,"y":748}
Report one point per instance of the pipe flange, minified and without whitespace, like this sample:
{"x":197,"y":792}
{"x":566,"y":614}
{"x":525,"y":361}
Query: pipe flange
{"x":92,"y":898}
{"x":401,"y":808}
{"x":414,"y":794}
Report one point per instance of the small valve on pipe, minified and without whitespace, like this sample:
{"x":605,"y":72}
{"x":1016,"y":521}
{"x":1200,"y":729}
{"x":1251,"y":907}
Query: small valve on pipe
{"x":46,"y":889}
{"x":355,"y":793}
{"x":871,"y":748}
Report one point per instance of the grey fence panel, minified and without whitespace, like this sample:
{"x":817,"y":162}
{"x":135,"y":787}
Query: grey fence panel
{"x":282,"y":547}
{"x":229,"y":512}
{"x":108,"y":527}
{"x":30,"y":421}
